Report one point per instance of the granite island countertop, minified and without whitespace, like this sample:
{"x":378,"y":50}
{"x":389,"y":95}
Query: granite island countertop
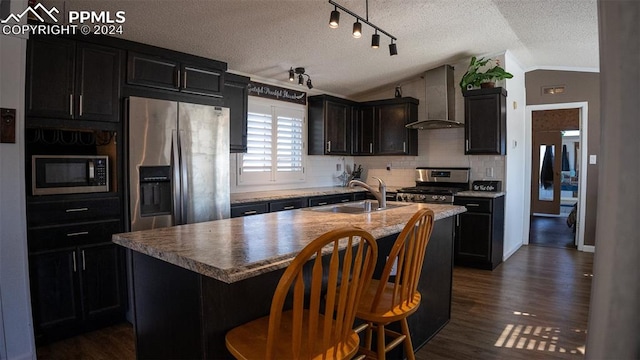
{"x":234,"y":249}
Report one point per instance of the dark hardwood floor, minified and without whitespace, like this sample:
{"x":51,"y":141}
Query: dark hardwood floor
{"x":533,"y":306}
{"x":551,"y":231}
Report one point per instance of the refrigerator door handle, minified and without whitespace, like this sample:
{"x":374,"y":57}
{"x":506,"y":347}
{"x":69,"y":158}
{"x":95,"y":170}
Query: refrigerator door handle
{"x":184,"y":181}
{"x":175,"y":167}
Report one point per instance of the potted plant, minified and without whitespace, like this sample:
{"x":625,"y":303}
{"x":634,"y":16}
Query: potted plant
{"x":476,"y":78}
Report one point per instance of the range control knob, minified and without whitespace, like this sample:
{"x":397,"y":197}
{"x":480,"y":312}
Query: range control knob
{"x":421,"y":197}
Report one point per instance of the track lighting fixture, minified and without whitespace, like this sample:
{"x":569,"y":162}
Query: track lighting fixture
{"x":393,"y":49}
{"x":375,"y":40}
{"x":357,"y":29}
{"x":300,"y":72}
{"x":334,"y":21}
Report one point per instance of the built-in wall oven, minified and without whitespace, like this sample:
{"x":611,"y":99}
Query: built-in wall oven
{"x":69,"y":174}
{"x":435,"y":185}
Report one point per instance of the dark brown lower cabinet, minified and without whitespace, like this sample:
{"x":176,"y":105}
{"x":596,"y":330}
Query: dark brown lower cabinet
{"x":479,"y":240}
{"x":76,"y":289}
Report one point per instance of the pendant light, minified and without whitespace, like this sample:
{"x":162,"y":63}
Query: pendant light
{"x":393,"y":49}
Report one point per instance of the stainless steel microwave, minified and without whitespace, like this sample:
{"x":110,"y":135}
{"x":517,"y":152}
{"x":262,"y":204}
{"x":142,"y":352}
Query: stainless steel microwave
{"x":69,"y":174}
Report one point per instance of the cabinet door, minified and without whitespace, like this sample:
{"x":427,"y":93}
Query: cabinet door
{"x":54,"y":288}
{"x":202,"y":81}
{"x":236,"y":99}
{"x":147,"y":70}
{"x":473,"y":238}
{"x":363,"y":128}
{"x":98,"y":83}
{"x":50,"y":77}
{"x":392,"y":135}
{"x":337,"y":128}
{"x":249,"y":209}
{"x":102,"y":286}
{"x":485,"y":124}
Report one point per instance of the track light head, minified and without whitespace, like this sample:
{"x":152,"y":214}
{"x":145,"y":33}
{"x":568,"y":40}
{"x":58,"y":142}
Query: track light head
{"x":309,"y":84}
{"x":300,"y":80}
{"x":292,"y":75}
{"x":375,"y":40}
{"x":393,"y":49}
{"x":334,"y":20}
{"x":357,"y":29}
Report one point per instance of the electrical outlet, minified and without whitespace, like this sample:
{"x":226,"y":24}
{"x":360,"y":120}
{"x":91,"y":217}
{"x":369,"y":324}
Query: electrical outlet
{"x":388,"y":166}
{"x":489,"y":172}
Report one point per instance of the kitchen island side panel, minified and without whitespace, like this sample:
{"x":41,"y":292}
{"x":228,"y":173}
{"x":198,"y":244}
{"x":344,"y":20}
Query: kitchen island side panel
{"x":182,"y":314}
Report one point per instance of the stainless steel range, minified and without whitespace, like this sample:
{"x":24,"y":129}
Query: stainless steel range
{"x":435,"y":185}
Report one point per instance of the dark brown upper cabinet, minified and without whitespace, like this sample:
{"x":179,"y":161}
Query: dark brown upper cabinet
{"x":330,"y":121}
{"x":174,"y":74}
{"x":236,"y":99}
{"x":380,"y":127}
{"x":485,"y":128}
{"x":72,"y":80}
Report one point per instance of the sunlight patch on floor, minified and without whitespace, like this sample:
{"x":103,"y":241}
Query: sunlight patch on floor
{"x":534,"y":338}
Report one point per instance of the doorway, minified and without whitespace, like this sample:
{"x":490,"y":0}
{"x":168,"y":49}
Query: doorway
{"x":563,"y":129}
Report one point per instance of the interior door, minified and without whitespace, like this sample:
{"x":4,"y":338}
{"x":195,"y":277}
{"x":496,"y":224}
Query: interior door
{"x":545,"y":184}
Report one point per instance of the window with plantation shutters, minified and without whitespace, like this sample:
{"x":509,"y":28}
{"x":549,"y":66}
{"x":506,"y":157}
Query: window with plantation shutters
{"x":275,"y":146}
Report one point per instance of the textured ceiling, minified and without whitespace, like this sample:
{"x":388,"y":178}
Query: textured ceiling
{"x":264,"y":38}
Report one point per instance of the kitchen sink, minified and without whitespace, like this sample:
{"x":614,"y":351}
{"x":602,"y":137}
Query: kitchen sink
{"x":359,"y":207}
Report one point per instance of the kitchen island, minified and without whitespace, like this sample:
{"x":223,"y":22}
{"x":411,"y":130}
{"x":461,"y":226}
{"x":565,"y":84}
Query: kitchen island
{"x":192,"y":283}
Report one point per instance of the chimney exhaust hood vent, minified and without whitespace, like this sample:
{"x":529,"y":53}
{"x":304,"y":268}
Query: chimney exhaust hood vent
{"x":440,"y":100}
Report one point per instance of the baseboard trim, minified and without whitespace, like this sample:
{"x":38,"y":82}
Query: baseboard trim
{"x":589,"y":248}
{"x":511,"y":252}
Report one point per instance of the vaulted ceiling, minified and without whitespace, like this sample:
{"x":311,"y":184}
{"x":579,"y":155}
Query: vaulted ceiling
{"x":264,"y":38}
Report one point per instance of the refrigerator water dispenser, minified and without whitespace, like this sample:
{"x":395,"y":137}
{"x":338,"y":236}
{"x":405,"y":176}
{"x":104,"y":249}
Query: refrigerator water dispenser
{"x":155,"y":190}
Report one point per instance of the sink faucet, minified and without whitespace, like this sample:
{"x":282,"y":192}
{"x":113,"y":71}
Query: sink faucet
{"x":381,"y":194}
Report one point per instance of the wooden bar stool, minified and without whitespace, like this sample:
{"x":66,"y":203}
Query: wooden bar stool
{"x":389,"y":300}
{"x":305,"y":331}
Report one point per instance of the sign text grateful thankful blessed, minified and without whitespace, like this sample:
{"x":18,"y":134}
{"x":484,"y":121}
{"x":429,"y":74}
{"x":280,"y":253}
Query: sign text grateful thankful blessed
{"x":277,"y":93}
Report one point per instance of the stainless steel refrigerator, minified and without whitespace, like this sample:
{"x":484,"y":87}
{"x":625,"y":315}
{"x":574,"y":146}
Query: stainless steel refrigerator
{"x":178,"y":163}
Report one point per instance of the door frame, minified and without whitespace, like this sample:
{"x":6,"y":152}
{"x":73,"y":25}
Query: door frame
{"x":584,"y":120}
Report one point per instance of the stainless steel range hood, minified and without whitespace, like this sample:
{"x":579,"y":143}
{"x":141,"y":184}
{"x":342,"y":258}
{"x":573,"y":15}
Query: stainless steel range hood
{"x":440,"y":100}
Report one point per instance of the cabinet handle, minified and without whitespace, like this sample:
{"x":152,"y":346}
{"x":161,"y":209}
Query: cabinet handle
{"x":71,"y":104}
{"x":404,"y":146}
{"x":466,"y":144}
{"x":288,"y":207}
{"x":471,"y":204}
{"x":78,"y":233}
{"x":370,"y":148}
{"x":77,"y":210}
{"x":322,"y":203}
{"x":250,"y":212}
{"x":80,"y":113}
{"x":345,"y":200}
{"x":457,"y":220}
{"x":83,"y":264}
{"x":177,"y":78}
{"x":329,"y":146}
{"x":184,"y":80}
{"x":75,"y":269}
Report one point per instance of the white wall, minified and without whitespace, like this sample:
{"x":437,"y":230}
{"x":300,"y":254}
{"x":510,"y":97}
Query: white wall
{"x":515,"y":161}
{"x":14,"y":284}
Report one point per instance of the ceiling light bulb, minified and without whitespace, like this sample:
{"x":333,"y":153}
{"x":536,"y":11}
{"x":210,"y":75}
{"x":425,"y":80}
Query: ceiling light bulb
{"x":291,"y":75}
{"x":393,"y":49}
{"x":375,"y":40}
{"x":309,"y":84}
{"x":300,"y":80}
{"x":357,"y":30}
{"x":334,"y":21}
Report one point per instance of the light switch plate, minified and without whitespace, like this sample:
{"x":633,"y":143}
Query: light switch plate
{"x":593,"y":159}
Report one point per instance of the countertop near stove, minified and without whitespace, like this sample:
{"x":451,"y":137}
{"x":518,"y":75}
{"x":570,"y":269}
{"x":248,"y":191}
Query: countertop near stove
{"x":482,"y":194}
{"x":254,"y":196}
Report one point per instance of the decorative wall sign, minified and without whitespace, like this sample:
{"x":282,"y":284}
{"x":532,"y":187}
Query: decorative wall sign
{"x":277,"y":93}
